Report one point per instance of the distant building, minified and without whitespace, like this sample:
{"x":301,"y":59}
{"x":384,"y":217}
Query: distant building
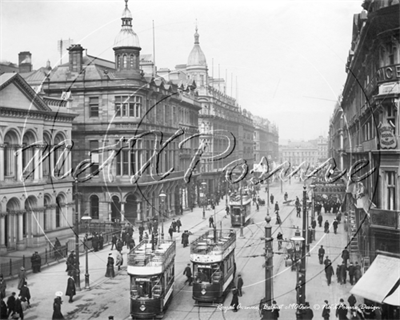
{"x":266,"y":140}
{"x":35,"y":206}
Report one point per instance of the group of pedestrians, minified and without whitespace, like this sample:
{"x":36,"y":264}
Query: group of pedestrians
{"x":174,"y":227}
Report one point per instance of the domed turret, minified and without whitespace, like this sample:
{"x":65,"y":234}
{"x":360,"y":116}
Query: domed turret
{"x":127,"y":48}
{"x":196,"y":56}
{"x":126,"y":37}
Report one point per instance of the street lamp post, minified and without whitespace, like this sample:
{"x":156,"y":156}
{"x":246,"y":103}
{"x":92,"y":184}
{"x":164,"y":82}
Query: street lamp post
{"x":203,"y":186}
{"x":266,"y":303}
{"x":162,"y":198}
{"x":77,"y":271}
{"x":86,"y":218}
{"x":241,"y":211}
{"x":298,"y":241}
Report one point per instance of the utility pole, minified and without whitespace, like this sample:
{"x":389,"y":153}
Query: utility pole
{"x":77,"y":270}
{"x":303,"y":251}
{"x":241,"y":211}
{"x":266,"y":309}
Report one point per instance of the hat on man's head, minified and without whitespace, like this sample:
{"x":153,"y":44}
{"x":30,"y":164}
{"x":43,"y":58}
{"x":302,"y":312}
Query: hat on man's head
{"x":326,"y":301}
{"x":59,"y":294}
{"x":22,"y":268}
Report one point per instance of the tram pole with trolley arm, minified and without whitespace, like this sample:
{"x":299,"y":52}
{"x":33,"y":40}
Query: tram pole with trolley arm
{"x":266,"y":307}
{"x":241,"y":211}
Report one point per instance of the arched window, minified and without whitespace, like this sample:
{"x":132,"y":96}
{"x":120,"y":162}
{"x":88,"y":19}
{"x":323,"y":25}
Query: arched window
{"x":60,"y":156}
{"x":125,"y":62}
{"x":10,"y":140}
{"x":59,"y":202}
{"x":94,"y":207}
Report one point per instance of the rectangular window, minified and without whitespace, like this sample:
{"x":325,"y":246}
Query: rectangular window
{"x":128,"y":106}
{"x":392,"y":117}
{"x":125,"y":162}
{"x":391,"y":190}
{"x":94,"y":155}
{"x":93,"y":107}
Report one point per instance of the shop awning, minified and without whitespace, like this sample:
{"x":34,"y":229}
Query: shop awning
{"x":394,"y":298}
{"x":379,"y":279}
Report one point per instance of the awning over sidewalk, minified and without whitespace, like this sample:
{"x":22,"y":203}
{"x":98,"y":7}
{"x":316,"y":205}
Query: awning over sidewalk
{"x":394,"y":298}
{"x":379,"y":279}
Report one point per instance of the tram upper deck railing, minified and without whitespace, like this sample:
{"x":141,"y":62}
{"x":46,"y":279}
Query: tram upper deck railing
{"x":235,"y":199}
{"x":205,"y":244}
{"x":143,"y":255}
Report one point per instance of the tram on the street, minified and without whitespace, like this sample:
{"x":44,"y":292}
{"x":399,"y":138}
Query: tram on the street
{"x":214,"y":268}
{"x":235,"y":205}
{"x":152,"y":275}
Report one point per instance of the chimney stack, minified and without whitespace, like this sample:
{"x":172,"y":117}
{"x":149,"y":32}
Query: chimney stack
{"x":75,"y":57}
{"x":25,"y":61}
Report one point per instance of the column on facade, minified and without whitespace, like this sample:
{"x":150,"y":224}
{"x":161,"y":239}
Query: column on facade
{"x":139,"y":211}
{"x":19,"y":163}
{"x":109,"y":210}
{"x":123,"y":211}
{"x":2,"y":231}
{"x":19,"y":230}
{"x":36,"y":166}
{"x":1,"y":163}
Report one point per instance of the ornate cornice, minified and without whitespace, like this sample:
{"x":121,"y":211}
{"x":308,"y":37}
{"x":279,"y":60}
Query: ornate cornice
{"x":34,"y":114}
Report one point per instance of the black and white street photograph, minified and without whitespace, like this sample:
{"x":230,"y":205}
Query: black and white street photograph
{"x":199,"y":159}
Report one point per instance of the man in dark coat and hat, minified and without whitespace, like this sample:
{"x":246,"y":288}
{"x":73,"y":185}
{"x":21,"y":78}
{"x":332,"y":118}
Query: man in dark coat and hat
{"x":235,"y":300}
{"x":25,"y":294}
{"x":320,"y":220}
{"x":188,"y":273}
{"x":341,"y":310}
{"x":110,"y":273}
{"x":335,"y":225}
{"x":321,"y":253}
{"x":326,"y":310}
{"x":351,"y":269}
{"x":326,"y":226}
{"x":11,"y":304}
{"x":329,"y":272}
{"x":18,"y":308}
{"x":345,"y":256}
{"x":239,"y":284}
{"x":71,"y":289}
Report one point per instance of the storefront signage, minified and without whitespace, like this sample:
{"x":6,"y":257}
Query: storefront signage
{"x":389,"y":88}
{"x":386,"y":134}
{"x":389,"y":73}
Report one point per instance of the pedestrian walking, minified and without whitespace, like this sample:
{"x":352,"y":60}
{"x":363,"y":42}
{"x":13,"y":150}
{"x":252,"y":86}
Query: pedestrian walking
{"x":335,"y":225}
{"x":239,"y":284}
{"x":352,"y":300}
{"x":3,"y":286}
{"x":357,"y":272}
{"x":279,"y":237}
{"x":326,"y":310}
{"x":185,"y":238}
{"x":329,"y":273}
{"x":113,"y":242}
{"x":95,"y":242}
{"x":235,"y":300}
{"x":173,"y":224}
{"x":227,"y":211}
{"x":19,"y":311}
{"x":276,"y":207}
{"x":275,"y":310}
{"x":285,"y":196}
{"x":326,"y":226}
{"x":321,"y":253}
{"x":320,"y":220}
{"x":327,"y":261}
{"x":278,"y":218}
{"x":345,"y":256}
{"x":271,"y":197}
{"x":119,"y":245}
{"x":25,"y":294}
{"x":343,"y":273}
{"x":3,"y":310}
{"x":101,"y":241}
{"x":188,"y":273}
{"x":211,"y":222}
{"x":307,"y":312}
{"x":70,"y":263}
{"x":298,"y":212}
{"x":71,"y":289}
{"x":341,"y":310}
{"x":171,"y":231}
{"x":11,"y":304}
{"x":257,"y":206}
{"x":57,"y":315}
{"x":179,"y":224}
{"x":351,"y":269}
{"x":110,"y":266}
{"x":339,"y":273}
{"x":22,"y":278}
{"x":119,"y":260}
{"x":36,"y":262}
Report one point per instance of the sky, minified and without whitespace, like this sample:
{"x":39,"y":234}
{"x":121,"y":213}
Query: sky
{"x":286,"y":58}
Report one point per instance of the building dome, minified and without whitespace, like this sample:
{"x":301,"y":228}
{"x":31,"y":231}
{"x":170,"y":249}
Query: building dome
{"x":126,"y":37}
{"x":196,"y":56}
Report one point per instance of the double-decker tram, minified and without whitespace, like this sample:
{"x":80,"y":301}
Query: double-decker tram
{"x":151,"y":271}
{"x":235,"y":205}
{"x":213,"y":261}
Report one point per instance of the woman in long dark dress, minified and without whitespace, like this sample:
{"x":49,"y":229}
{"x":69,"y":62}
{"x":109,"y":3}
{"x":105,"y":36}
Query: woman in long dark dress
{"x":57,"y":315}
{"x":110,"y":266}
